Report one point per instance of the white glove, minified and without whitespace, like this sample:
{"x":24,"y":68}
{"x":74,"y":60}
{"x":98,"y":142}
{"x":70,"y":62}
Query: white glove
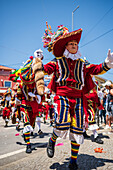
{"x":109,"y":59}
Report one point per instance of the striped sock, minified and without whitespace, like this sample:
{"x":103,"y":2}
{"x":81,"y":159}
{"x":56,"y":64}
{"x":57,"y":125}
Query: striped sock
{"x":17,"y":123}
{"x":27,"y":137}
{"x":54,"y":137}
{"x":74,"y":151}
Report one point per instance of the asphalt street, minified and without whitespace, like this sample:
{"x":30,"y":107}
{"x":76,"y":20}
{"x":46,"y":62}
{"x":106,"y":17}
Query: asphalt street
{"x":13,"y":156}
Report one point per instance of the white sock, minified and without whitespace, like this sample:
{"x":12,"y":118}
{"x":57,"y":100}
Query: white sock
{"x":84,"y":129}
{"x":95,"y":133}
{"x":39,"y":125}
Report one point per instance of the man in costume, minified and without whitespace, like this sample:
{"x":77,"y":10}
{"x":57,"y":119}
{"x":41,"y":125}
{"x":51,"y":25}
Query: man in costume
{"x":71,"y":79}
{"x":29,"y":98}
{"x":6,"y":103}
{"x":16,"y":109}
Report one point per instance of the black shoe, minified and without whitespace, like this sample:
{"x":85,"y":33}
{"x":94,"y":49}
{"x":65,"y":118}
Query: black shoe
{"x":85,"y":135}
{"x":17,"y":127}
{"x":40,"y":132}
{"x":73,"y":166}
{"x":50,"y":149}
{"x":28,"y":149}
{"x":6,"y":125}
{"x":31,"y":133}
{"x":98,"y":140}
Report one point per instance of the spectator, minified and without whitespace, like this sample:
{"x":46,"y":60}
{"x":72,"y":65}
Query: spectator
{"x":107,"y":91}
{"x":103,"y":111}
{"x":110,"y":106}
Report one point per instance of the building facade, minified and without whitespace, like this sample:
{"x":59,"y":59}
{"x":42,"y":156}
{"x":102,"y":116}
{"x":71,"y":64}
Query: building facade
{"x":5,"y":83}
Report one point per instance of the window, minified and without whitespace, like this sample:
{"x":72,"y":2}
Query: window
{"x":7,"y":84}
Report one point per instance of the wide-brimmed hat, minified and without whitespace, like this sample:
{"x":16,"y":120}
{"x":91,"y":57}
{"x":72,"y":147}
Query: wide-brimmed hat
{"x":56,"y":41}
{"x":8,"y":91}
{"x":24,"y":74}
{"x":59,"y":45}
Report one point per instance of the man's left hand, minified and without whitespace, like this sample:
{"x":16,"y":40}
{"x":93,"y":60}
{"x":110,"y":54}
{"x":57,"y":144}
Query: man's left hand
{"x":109,"y":59}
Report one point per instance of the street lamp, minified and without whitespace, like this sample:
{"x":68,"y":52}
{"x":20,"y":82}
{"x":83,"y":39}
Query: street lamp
{"x":72,"y":15}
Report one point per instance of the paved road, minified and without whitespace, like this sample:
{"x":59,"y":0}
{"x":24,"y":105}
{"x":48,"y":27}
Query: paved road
{"x":13,"y":156}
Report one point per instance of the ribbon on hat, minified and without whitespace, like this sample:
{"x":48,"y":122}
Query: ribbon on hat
{"x":49,"y":37}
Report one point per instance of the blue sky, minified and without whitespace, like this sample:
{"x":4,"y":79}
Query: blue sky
{"x":23,"y":23}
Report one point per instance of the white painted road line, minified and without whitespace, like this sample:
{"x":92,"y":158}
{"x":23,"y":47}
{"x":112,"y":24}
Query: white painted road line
{"x":19,"y":151}
{"x":12,"y":153}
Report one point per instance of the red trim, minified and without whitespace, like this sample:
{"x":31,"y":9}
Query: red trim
{"x":27,"y":81}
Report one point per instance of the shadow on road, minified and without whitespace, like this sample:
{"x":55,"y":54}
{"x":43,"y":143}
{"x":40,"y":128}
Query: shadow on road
{"x":38,"y":145}
{"x":104,"y":136}
{"x":10,"y":126}
{"x":85,"y":162}
{"x":41,"y":135}
{"x":34,"y":145}
{"x":100,"y":135}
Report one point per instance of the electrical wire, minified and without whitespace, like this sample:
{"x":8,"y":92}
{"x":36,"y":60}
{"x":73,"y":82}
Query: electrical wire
{"x":96,"y":38}
{"x":14,"y":49}
{"x":14,"y":64}
{"x":97,"y":23}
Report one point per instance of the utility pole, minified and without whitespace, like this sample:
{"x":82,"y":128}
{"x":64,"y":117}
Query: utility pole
{"x":73,"y":14}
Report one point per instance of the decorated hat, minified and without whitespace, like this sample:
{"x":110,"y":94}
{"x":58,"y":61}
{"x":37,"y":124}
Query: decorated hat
{"x":14,"y":76}
{"x":8,"y":91}
{"x":24,"y":74}
{"x":59,"y":45}
{"x":27,"y":75}
{"x":56,"y":42}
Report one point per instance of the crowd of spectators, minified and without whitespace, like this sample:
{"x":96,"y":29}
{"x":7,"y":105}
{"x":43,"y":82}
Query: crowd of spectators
{"x":106,"y":98}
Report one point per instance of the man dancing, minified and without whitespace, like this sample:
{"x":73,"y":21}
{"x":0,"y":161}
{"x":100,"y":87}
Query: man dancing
{"x":71,"y":79}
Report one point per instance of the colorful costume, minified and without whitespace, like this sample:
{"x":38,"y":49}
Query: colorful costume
{"x":6,"y":103}
{"x":71,"y":83}
{"x":71,"y":80}
{"x":16,"y":109}
{"x":27,"y":95}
